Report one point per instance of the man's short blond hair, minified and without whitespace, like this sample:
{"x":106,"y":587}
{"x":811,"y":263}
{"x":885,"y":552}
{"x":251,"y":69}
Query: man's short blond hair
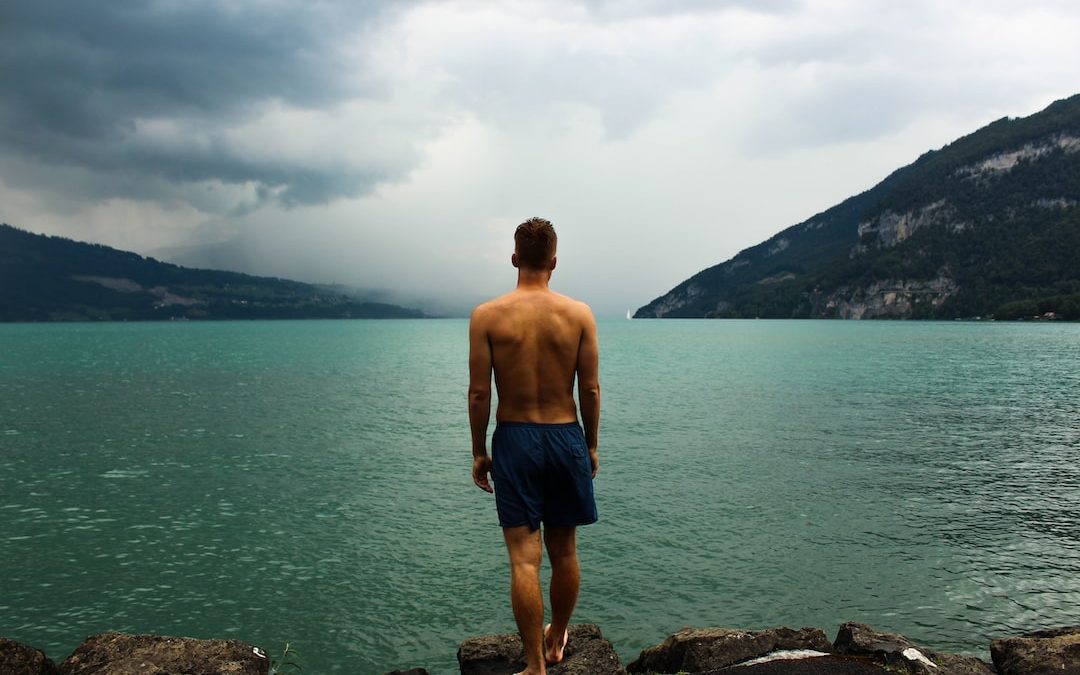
{"x":534,"y":243}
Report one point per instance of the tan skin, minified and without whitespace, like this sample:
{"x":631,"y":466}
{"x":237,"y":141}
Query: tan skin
{"x":537,"y":342}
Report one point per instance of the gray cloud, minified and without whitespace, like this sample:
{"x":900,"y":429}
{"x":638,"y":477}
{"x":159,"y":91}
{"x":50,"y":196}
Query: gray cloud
{"x":80,"y":77}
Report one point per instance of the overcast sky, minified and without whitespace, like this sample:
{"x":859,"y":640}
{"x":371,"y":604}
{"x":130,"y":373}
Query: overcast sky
{"x":395,"y":145}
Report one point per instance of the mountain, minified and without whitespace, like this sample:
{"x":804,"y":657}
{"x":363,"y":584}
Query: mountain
{"x":55,"y":279}
{"x":988,"y":226}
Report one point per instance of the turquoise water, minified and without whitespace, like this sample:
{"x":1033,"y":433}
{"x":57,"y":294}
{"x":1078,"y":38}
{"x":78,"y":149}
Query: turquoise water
{"x":308,"y":482}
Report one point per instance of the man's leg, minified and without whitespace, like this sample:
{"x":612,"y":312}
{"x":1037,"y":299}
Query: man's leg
{"x":561,"y":545}
{"x":525,"y":551}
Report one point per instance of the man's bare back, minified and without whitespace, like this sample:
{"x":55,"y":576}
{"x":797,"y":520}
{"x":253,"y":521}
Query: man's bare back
{"x":538,"y":341}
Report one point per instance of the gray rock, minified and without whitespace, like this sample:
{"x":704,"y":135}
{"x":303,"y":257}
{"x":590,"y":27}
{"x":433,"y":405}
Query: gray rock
{"x":587,"y":653}
{"x":821,"y":665}
{"x":704,"y":649}
{"x":121,"y":654}
{"x":19,"y":659}
{"x":1049,"y":651}
{"x":896,"y":651}
{"x":955,"y":664}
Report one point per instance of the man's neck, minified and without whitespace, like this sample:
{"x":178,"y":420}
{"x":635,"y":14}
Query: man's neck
{"x":533,"y":280}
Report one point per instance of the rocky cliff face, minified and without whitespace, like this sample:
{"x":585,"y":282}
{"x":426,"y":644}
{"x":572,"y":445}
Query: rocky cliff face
{"x":890,"y":229}
{"x":1005,"y":161}
{"x":677,"y":300}
{"x":888,"y":298}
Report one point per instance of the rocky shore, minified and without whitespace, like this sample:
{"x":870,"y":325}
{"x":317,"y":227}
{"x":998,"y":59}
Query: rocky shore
{"x":857,"y":650}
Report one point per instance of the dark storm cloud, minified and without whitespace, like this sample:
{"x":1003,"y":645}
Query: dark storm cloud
{"x":78,"y":75}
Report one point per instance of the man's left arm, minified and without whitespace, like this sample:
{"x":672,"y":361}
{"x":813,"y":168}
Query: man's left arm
{"x":588,"y":378}
{"x":480,"y":365}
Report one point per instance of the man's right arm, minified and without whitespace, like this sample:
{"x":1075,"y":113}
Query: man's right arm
{"x":588,"y":376}
{"x":480,"y":364}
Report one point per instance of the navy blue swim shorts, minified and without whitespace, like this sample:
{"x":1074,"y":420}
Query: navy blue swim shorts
{"x":542,"y":473}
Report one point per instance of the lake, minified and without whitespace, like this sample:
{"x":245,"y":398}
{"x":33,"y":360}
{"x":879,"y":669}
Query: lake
{"x":308,"y":483}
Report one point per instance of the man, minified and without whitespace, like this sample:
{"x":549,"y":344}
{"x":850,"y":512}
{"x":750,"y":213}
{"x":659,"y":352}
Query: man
{"x":537,"y":341}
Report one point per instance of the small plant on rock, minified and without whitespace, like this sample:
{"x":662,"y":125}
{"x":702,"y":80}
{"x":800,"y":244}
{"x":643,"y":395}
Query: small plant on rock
{"x":286,"y":662}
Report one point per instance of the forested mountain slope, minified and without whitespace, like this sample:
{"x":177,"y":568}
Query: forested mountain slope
{"x":55,"y":279}
{"x":988,"y":226}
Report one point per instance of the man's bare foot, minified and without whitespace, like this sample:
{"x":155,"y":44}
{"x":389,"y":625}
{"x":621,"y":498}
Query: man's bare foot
{"x":553,"y":650}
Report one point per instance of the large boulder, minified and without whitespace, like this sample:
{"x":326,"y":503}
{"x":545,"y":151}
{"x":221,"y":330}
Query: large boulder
{"x":696,"y":650}
{"x":19,"y":659}
{"x":830,"y":664}
{"x":122,"y":654}
{"x":586,"y":653}
{"x":898,"y":652}
{"x":1049,"y":651}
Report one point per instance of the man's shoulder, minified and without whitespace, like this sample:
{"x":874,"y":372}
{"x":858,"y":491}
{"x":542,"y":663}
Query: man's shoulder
{"x":492,"y":302}
{"x":488,"y":308}
{"x":576,"y":305}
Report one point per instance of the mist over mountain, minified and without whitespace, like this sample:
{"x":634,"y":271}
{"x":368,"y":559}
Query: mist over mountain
{"x":988,"y":226}
{"x":242,"y":255}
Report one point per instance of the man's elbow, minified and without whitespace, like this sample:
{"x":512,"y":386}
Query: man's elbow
{"x":589,"y":391}
{"x":479,"y":396}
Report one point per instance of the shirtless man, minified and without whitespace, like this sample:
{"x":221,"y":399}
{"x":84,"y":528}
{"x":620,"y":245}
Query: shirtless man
{"x":542,"y":463}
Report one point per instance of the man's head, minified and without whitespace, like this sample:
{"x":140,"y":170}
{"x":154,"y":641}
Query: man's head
{"x":534,"y":245}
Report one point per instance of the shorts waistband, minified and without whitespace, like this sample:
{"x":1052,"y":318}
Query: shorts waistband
{"x":538,"y":425}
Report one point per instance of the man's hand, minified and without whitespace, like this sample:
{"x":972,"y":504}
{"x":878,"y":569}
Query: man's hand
{"x":594,"y":457}
{"x":481,"y":467}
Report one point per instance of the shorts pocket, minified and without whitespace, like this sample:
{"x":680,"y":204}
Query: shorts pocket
{"x":578,"y":449}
